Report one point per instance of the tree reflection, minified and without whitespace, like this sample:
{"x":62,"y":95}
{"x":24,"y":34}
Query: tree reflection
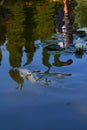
{"x":2,"y":25}
{"x":2,"y":30}
{"x":29,"y":33}
{"x":69,"y":18}
{"x":65,"y":17}
{"x":44,"y":18}
{"x":17,"y":78}
{"x":2,"y":34}
{"x":20,"y":33}
{"x":59,"y":15}
{"x":15,"y":31}
{"x":0,"y":56}
{"x":45,"y":59}
{"x":57,"y":62}
{"x":30,"y":20}
{"x":81,"y":11}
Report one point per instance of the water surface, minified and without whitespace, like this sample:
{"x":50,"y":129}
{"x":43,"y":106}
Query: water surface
{"x":61,"y":102}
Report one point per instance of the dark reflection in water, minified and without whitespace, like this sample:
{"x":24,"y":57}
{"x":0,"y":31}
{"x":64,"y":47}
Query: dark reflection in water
{"x":23,"y":22}
{"x":57,"y":62}
{"x":2,"y":34}
{"x":45,"y":59}
{"x":17,"y":78}
{"x":2,"y":25}
{"x":20,"y":28}
{"x":0,"y":56}
{"x":81,"y":11}
{"x":44,"y":19}
{"x":59,"y":15}
{"x":2,"y":30}
{"x":15,"y":29}
{"x":69,"y":18}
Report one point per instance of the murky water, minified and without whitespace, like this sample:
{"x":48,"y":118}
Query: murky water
{"x":59,"y":99}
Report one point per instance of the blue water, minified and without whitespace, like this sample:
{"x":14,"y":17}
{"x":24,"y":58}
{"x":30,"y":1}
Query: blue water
{"x":58,"y":101}
{"x":60,"y":105}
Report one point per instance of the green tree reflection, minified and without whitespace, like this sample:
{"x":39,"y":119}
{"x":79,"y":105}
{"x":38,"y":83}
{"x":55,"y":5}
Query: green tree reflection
{"x":45,"y":59}
{"x":2,"y":25}
{"x":17,"y":78}
{"x":0,"y":56}
{"x":44,"y":18}
{"x":15,"y":29}
{"x":29,"y":33}
{"x":56,"y":60}
{"x":2,"y":34}
{"x":20,"y":33}
{"x":81,"y":11}
{"x":2,"y":30}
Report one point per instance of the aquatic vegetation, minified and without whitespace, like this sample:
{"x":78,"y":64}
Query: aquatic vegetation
{"x":80,"y":45}
{"x":56,"y":44}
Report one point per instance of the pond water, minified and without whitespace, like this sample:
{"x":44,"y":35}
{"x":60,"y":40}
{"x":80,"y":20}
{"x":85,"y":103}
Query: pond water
{"x":59,"y":99}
